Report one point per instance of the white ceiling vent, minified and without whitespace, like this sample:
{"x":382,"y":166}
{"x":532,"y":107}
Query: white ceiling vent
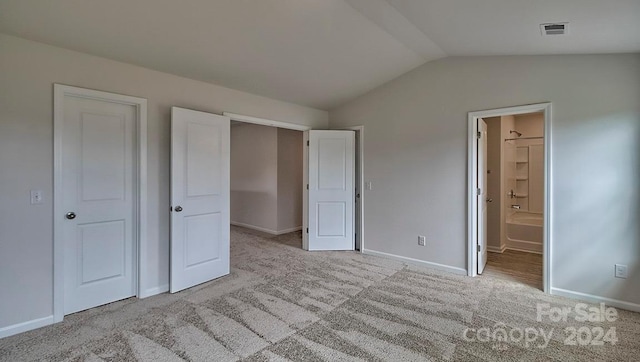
{"x":554,"y":28}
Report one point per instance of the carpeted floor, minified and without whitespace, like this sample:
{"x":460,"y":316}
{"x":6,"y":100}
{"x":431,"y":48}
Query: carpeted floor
{"x":281,"y":303}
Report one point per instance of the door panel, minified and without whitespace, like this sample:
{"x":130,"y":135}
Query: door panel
{"x":199,"y":197}
{"x":482,"y":197}
{"x":102,"y":251}
{"x":98,"y":161}
{"x":331,"y":190}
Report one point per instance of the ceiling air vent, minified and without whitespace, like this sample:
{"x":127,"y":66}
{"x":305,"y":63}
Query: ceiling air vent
{"x":554,"y":28}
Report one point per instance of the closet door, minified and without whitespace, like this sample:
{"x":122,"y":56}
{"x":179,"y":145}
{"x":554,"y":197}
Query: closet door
{"x":199,"y":197}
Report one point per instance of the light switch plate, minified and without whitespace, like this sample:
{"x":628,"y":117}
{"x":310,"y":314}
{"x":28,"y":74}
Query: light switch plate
{"x":36,"y":197}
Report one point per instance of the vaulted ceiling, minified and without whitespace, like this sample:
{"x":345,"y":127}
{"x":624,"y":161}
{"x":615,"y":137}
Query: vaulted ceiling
{"x":318,"y":53}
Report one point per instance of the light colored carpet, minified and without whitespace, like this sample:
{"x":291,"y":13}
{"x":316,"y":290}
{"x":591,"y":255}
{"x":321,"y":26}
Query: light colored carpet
{"x":281,"y":303}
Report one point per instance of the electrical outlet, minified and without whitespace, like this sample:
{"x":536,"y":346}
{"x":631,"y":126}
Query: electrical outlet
{"x":421,"y":240}
{"x":621,"y":271}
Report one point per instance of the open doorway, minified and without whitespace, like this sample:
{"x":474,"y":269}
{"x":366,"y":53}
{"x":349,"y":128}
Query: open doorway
{"x":266,"y":181}
{"x":509,"y":207}
{"x":294,"y":130}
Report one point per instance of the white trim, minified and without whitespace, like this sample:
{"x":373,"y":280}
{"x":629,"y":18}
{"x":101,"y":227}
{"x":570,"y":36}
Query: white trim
{"x":472,"y":226}
{"x":305,"y":191}
{"x":495,"y":249}
{"x":25,"y":326}
{"x":360,"y":154}
{"x":266,"y":230}
{"x":524,"y":245}
{"x":524,"y":250}
{"x":288,"y":230}
{"x":265,"y":122}
{"x":596,"y":299}
{"x":140,"y":249}
{"x":154,"y":291}
{"x":428,"y":264}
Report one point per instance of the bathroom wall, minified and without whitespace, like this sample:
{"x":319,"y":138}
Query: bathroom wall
{"x":531,"y":125}
{"x":507,"y":174}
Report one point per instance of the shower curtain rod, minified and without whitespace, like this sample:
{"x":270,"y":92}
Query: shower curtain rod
{"x":523,"y":138}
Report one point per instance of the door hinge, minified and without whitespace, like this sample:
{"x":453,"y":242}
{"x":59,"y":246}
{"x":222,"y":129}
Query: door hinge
{"x":479,"y":191}
{"x":170,"y":208}
{"x":479,"y":134}
{"x":307,"y":230}
{"x":307,"y":186}
{"x":307,"y":143}
{"x":479,"y":248}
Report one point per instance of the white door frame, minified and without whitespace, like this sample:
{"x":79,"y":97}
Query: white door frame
{"x":140,"y":241}
{"x":265,"y":122}
{"x":472,"y":224}
{"x":305,"y":166}
{"x":305,"y":181}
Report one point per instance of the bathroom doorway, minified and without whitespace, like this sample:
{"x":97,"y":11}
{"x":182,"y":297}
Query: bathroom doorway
{"x":509,"y":195}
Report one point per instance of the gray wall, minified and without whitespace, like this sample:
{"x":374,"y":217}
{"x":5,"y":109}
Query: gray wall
{"x":254,"y":176}
{"x":266,"y":178}
{"x":416,"y":157}
{"x":290,"y":164}
{"x":27,"y":73}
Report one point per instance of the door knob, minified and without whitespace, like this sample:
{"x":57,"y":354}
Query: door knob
{"x":70,"y":215}
{"x":178,"y":208}
{"x":489,"y":200}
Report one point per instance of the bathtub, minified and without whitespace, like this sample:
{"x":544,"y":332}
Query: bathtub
{"x":524,"y":231}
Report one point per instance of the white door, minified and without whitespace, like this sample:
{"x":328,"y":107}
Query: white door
{"x":199,"y":197}
{"x":98,"y":196}
{"x":331,"y":190}
{"x":482,"y":195}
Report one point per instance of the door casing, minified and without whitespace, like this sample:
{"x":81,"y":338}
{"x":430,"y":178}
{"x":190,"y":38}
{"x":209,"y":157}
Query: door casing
{"x":310,"y":227}
{"x":140,"y":240}
{"x":472,"y":174}
{"x":481,"y":197}
{"x":305,"y":179}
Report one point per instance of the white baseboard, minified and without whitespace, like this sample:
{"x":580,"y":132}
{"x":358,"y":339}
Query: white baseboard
{"x":289,"y":230}
{"x":495,"y":249}
{"x":154,"y":291}
{"x":596,"y":299}
{"x":25,"y":326}
{"x":524,"y":250}
{"x":428,"y":264}
{"x":523,"y":245}
{"x":265,"y":230}
{"x":41,"y":322}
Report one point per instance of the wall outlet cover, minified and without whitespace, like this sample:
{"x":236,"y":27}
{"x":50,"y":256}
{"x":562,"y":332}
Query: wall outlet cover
{"x":621,"y":271}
